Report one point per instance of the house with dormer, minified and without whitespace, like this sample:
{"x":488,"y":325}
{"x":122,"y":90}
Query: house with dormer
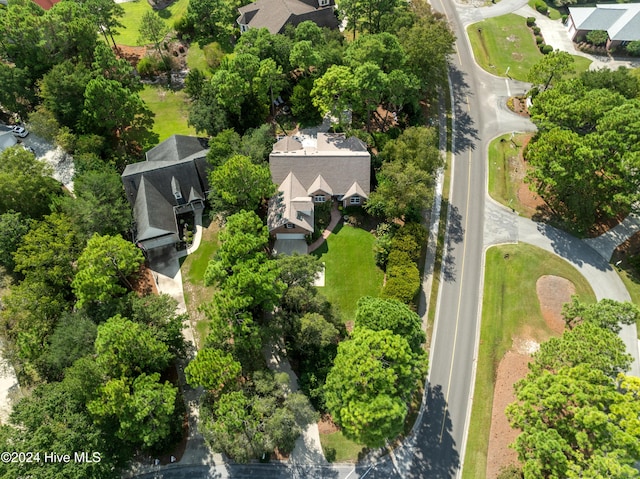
{"x":171,"y":184}
{"x":275,"y":15}
{"x":329,"y":167}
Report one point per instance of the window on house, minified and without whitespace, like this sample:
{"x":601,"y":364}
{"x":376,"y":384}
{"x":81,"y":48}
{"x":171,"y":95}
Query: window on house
{"x":289,"y":226}
{"x":319,"y":198}
{"x":323,"y":3}
{"x":244,"y":28}
{"x":355,"y":200}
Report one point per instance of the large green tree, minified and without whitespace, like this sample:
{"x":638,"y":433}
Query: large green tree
{"x":26,"y":185}
{"x":13,"y":226}
{"x":142,"y":408}
{"x":550,"y":68}
{"x":575,"y":422}
{"x":373,"y":377}
{"x":606,"y":313}
{"x":239,"y":184}
{"x":124,"y":348}
{"x":397,"y":317}
{"x":99,"y":205}
{"x":104,"y":268}
{"x":214,"y":370}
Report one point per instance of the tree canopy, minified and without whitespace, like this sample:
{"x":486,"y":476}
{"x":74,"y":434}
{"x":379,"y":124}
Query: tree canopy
{"x":373,"y":377}
{"x":104,"y":268}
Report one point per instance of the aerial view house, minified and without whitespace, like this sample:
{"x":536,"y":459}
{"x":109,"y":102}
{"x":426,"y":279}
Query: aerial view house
{"x":172,"y":182}
{"x":274,"y":15}
{"x":620,"y":21}
{"x":315,"y":170}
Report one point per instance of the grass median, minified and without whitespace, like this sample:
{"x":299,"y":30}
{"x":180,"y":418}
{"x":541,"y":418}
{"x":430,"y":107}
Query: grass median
{"x":510,"y":303}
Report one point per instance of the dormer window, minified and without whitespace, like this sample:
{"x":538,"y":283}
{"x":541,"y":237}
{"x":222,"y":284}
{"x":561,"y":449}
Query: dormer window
{"x":289,"y":226}
{"x":355,"y":200}
{"x":323,"y":3}
{"x":319,"y":198}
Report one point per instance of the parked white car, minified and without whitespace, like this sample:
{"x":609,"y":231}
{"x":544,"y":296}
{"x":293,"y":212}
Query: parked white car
{"x":19,"y":131}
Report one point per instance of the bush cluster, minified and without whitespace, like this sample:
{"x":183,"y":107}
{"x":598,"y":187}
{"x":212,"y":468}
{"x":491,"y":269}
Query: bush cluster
{"x":403,"y":276}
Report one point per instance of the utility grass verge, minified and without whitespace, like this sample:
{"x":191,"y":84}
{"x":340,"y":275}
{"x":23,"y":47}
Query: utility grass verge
{"x":502,"y":151}
{"x":510,"y":303}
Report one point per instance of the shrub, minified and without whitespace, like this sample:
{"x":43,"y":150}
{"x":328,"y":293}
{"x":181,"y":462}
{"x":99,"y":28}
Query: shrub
{"x":65,"y":139}
{"x":633,"y":48}
{"x":535,"y":30}
{"x":564,"y":17}
{"x":403,"y":280}
{"x":597,"y":37}
{"x":531,"y":21}
{"x":183,"y":27}
{"x":546,"y":49}
{"x":213,"y":54}
{"x":539,"y":40}
{"x":541,"y":7}
{"x":147,"y":67}
{"x":510,"y":472}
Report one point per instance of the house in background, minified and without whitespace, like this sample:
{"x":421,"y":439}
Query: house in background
{"x":274,"y":15}
{"x":620,"y":21}
{"x":315,"y":170}
{"x":171,"y":183}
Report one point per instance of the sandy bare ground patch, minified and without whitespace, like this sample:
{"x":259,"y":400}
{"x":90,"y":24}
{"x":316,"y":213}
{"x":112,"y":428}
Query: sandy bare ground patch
{"x":553,"y":292}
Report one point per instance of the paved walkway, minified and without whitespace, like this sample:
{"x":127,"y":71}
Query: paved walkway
{"x":336,"y":217}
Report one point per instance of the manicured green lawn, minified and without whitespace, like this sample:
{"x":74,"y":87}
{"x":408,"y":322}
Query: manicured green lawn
{"x":350,"y":268}
{"x":195,"y":59}
{"x":554,"y":13}
{"x":502,"y":151}
{"x":171,"y":110}
{"x":506,"y":42}
{"x":510,"y":303}
{"x":338,"y":448}
{"x":133,"y":11}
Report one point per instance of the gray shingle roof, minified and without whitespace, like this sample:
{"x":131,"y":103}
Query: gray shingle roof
{"x":291,"y":205}
{"x":154,"y":215}
{"x":275,"y":14}
{"x":620,"y":21}
{"x":177,"y":165}
{"x":340,"y":161}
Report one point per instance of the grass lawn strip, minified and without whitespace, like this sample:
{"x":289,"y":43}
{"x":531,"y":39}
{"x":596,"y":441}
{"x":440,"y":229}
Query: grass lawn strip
{"x":510,"y":303}
{"x":350,"y":268}
{"x":502,"y":187}
{"x":171,"y":111}
{"x":133,"y":12}
{"x":506,"y":43}
{"x":338,"y":448}
{"x":193,"y":268}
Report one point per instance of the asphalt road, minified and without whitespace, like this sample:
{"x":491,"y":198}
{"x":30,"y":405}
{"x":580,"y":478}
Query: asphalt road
{"x":436,"y":449}
{"x":479,"y":102}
